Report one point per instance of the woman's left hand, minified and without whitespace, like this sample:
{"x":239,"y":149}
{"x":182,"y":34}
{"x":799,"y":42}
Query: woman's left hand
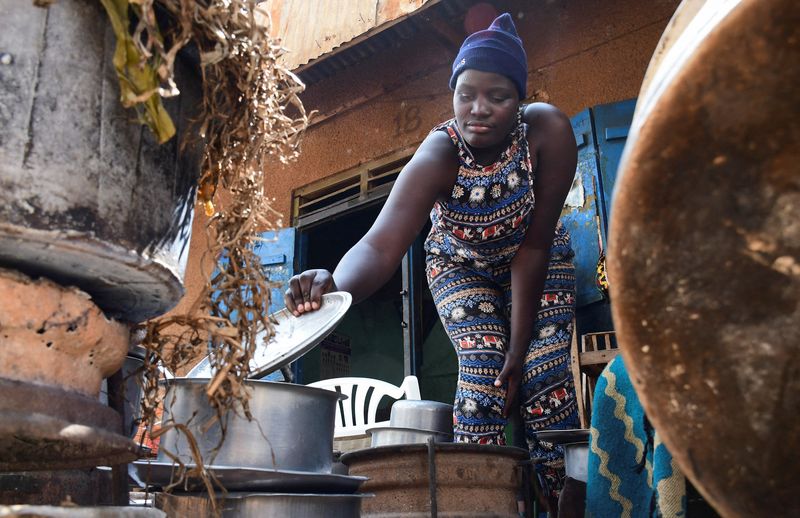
{"x":511,"y":374}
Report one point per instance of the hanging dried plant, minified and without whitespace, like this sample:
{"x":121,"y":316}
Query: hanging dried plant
{"x":251,"y":111}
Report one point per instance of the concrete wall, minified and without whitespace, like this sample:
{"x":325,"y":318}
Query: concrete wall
{"x":581,"y":53}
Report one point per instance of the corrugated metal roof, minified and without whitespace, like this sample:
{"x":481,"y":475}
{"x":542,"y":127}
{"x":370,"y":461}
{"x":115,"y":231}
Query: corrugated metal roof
{"x":311,"y":29}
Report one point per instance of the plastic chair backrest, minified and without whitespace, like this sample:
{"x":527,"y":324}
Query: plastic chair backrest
{"x":364,"y":394}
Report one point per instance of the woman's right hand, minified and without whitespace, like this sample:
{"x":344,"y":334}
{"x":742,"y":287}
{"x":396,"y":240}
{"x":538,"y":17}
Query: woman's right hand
{"x":306,"y":289}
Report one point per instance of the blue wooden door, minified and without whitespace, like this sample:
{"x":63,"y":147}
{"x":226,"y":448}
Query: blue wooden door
{"x":611,"y":122}
{"x":277,"y":258}
{"x":580,"y":213}
{"x":600,"y":133}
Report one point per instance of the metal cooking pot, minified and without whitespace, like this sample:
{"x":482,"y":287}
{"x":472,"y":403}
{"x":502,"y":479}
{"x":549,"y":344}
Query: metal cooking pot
{"x":422,"y":414}
{"x":90,"y":199}
{"x":388,"y":435}
{"x":576,"y":460}
{"x":292,"y":427}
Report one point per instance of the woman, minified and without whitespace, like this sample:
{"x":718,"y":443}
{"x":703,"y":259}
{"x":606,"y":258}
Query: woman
{"x":496,"y":177}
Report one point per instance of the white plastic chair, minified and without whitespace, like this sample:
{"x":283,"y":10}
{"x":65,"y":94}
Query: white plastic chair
{"x":351,"y":420}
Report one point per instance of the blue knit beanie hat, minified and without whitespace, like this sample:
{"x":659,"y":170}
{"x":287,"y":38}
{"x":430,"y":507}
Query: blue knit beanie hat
{"x":497,"y":49}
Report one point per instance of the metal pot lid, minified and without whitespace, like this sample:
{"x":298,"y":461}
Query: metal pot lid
{"x":294,"y":336}
{"x":564,"y":436}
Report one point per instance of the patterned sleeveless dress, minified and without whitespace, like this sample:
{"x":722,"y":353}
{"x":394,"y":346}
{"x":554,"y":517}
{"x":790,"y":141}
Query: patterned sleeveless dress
{"x":475,"y":235}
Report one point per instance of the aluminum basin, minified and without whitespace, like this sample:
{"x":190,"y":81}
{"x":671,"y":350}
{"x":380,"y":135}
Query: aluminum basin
{"x":292,"y":427}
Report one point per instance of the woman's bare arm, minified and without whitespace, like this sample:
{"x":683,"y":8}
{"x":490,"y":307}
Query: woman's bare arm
{"x":551,"y":136}
{"x":370,"y":263}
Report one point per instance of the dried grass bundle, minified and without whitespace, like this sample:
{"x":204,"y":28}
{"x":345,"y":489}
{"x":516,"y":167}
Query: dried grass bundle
{"x":251,"y":111}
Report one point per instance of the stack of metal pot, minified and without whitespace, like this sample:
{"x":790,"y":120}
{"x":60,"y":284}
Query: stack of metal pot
{"x":277,"y":464}
{"x":276,"y":459}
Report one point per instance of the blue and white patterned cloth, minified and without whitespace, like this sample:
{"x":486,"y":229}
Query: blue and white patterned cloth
{"x":631,"y":472}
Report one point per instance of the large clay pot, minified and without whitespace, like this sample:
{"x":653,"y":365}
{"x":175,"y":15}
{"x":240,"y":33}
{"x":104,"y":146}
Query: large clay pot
{"x":87,"y":196}
{"x":704,"y":251}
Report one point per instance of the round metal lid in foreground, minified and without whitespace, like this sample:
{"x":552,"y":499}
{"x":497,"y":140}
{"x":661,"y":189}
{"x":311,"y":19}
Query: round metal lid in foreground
{"x":704,"y":252}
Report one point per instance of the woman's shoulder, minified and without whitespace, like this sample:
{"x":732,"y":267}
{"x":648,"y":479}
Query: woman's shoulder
{"x":438,"y":147}
{"x":543,"y":116}
{"x":444,"y":126}
{"x":547,"y":126}
{"x":435,"y":163}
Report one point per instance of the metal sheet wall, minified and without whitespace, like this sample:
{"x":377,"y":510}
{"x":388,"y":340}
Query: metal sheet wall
{"x":311,"y":29}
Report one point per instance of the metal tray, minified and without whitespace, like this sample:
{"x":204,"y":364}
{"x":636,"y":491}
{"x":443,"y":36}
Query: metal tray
{"x":294,"y":337}
{"x":564,"y":436}
{"x":252,"y":479}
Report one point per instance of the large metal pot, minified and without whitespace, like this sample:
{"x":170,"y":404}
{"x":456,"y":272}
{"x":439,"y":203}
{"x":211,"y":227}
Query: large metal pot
{"x":291,"y":430}
{"x":422,"y":414}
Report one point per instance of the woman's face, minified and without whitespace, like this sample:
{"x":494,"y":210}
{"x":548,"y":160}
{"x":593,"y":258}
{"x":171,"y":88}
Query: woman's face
{"x":485,"y":105}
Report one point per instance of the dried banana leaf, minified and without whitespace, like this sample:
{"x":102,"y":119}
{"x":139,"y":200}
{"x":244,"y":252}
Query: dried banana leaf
{"x":138,"y":82}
